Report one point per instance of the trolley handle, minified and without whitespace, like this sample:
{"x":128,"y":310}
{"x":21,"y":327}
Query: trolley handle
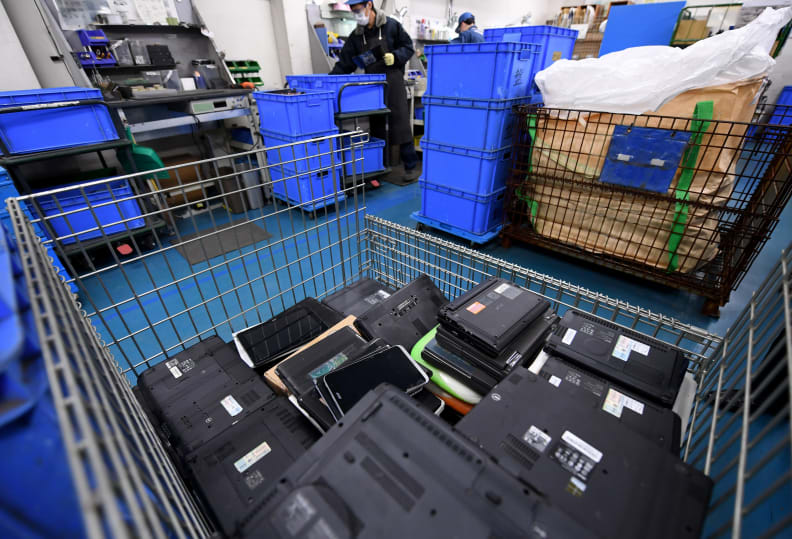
{"x":61,"y":105}
{"x":382,"y":83}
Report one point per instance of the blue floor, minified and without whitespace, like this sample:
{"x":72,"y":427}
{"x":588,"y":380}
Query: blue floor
{"x":396,"y":203}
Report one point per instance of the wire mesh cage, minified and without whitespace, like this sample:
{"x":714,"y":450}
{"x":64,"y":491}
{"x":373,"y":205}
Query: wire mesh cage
{"x":682,"y":201}
{"x":134,"y":310}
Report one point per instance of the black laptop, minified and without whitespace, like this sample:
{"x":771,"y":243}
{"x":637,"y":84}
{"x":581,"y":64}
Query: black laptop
{"x":358,"y":297}
{"x":630,"y":359}
{"x":620,"y":483}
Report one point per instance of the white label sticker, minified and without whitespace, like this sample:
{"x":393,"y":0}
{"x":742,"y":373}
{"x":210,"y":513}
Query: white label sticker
{"x":569,"y":336}
{"x":555,"y":380}
{"x":231,"y":405}
{"x":258,"y":453}
{"x":172,"y":367}
{"x":614,"y":403}
{"x":578,"y":483}
{"x":502,"y":288}
{"x":537,"y":439}
{"x":582,"y":446}
{"x":634,"y":405}
{"x":625,"y":345}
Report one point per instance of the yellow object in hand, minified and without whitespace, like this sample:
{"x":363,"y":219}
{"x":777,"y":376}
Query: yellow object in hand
{"x":389,"y":59}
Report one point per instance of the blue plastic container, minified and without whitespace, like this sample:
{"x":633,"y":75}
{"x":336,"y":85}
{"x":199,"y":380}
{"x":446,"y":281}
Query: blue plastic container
{"x":556,"y":43}
{"x":419,"y":112}
{"x":110,"y":208}
{"x":41,"y":130}
{"x":353,"y":98}
{"x":474,"y":213}
{"x":481,"y":70}
{"x":294,"y":113}
{"x":312,"y":190}
{"x":372,"y":153}
{"x":466,"y":169}
{"x":305,"y":156}
{"x":487,"y":124}
{"x":11,"y":331}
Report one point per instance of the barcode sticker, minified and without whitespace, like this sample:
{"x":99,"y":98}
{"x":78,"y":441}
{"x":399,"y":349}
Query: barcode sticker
{"x":569,"y":336}
{"x":625,"y":345}
{"x":173,"y":368}
{"x":582,"y":446}
{"x":634,"y":405}
{"x":231,"y":405}
{"x":555,"y":380}
{"x":252,"y":457}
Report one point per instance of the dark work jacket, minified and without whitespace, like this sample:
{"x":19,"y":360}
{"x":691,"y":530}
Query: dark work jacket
{"x":399,"y":43}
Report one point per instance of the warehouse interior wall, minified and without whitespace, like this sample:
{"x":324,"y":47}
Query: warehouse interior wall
{"x":491,"y":14}
{"x":245,"y":30}
{"x":15,"y":70}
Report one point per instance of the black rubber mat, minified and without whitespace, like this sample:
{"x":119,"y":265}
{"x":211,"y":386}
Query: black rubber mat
{"x":224,"y":240}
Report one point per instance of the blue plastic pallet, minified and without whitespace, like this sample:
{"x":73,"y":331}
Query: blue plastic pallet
{"x":475,"y":213}
{"x":353,"y":98}
{"x":295,"y":113}
{"x":311,"y":191}
{"x":486,"y":124}
{"x":302,"y":157}
{"x":478,"y":239}
{"x":481,"y":70}
{"x":41,"y":130}
{"x":466,"y":169}
{"x":556,"y":42}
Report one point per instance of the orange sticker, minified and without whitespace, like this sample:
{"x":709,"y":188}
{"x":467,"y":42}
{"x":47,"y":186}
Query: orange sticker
{"x":476,"y":307}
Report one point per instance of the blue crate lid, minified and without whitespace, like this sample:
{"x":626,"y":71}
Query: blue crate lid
{"x":468,"y":102}
{"x":47,"y":95}
{"x":339,"y":79}
{"x":486,"y":47}
{"x":538,"y":30}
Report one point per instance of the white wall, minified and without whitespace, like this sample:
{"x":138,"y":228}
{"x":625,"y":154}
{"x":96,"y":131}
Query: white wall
{"x":15,"y":70}
{"x":244,"y":29}
{"x":491,"y":14}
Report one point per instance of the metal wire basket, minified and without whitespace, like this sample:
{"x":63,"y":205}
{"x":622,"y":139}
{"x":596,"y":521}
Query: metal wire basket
{"x":133,"y":310}
{"x":685,"y":202}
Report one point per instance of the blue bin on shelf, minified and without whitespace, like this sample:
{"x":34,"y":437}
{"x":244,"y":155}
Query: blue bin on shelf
{"x":295,"y":112}
{"x":110,"y":206}
{"x":471,"y":212}
{"x":305,"y":156}
{"x":53,"y":129}
{"x":372,"y":153}
{"x":312,"y":190}
{"x":353,"y":98}
{"x":481,"y":70}
{"x":556,"y":42}
{"x":473,"y":123}
{"x":466,"y":169}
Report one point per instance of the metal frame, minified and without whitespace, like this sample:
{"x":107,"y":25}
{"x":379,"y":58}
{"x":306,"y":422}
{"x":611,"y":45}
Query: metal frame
{"x":138,"y":310}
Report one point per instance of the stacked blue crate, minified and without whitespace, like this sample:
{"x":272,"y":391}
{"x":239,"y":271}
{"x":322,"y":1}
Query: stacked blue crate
{"x":36,"y":477}
{"x":471,"y":91}
{"x":302,"y":169}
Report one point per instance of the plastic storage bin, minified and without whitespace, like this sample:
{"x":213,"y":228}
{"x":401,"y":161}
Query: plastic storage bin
{"x":353,"y":98}
{"x":556,"y":43}
{"x":466,"y":169}
{"x":302,"y":157}
{"x":53,"y":129}
{"x":110,"y":208}
{"x":313,"y":190}
{"x":481,"y":70}
{"x":294,"y":113}
{"x":372,"y":153}
{"x":473,"y":123}
{"x":474,"y":213}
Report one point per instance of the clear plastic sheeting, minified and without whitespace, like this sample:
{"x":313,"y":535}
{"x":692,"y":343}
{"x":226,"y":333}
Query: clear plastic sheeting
{"x":641,"y":79}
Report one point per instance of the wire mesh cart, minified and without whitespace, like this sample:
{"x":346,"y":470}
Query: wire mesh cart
{"x":135,"y":311}
{"x":686,"y":202}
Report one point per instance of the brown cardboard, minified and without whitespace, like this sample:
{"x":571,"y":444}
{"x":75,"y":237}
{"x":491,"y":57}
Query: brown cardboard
{"x":274,"y":380}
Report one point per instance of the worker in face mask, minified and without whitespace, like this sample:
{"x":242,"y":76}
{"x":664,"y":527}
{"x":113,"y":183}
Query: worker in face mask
{"x":380,"y":45}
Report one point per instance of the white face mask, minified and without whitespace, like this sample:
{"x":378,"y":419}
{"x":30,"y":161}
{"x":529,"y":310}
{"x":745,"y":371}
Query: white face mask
{"x":362,"y":18}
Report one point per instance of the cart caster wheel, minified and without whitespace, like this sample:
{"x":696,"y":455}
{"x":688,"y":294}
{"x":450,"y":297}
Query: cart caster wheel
{"x":420,"y":227}
{"x":711,"y":308}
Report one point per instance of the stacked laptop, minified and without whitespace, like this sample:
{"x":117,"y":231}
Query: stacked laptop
{"x":383,"y":412}
{"x":489,"y":330}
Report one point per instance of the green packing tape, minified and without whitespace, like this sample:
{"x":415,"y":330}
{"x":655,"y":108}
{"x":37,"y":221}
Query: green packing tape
{"x":444,"y":381}
{"x":533,"y":206}
{"x":702,"y":114}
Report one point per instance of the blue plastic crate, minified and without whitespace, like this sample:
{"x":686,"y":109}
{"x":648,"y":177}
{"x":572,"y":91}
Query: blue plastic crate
{"x":473,"y":123}
{"x":481,"y":70}
{"x":353,"y":98}
{"x":467,"y":169}
{"x":556,"y":42}
{"x":110,"y":209}
{"x":474,"y":213}
{"x":372,"y":153}
{"x":311,"y":190}
{"x":11,"y":331}
{"x":40,"y":130}
{"x":295,"y":112}
{"x":479,"y":239}
{"x":302,"y":157}
{"x":419,"y":112}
